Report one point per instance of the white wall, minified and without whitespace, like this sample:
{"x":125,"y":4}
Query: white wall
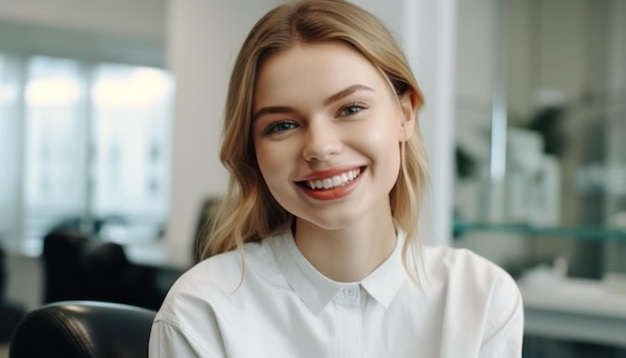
{"x":561,"y":49}
{"x":434,"y":25}
{"x":521,"y":32}
{"x":203,"y":39}
{"x":617,"y":46}
{"x":475,"y":54}
{"x":142,"y":18}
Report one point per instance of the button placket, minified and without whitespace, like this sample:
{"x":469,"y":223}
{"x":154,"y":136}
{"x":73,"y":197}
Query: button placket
{"x":348,"y":295}
{"x":349,"y":322}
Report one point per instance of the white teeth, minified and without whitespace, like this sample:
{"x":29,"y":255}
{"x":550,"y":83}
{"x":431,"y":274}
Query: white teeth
{"x":335,"y":181}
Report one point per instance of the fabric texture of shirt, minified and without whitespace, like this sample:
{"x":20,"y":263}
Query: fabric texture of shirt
{"x":464,"y":307}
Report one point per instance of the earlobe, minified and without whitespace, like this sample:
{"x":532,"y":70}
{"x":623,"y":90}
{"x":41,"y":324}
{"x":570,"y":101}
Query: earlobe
{"x":408,"y":102}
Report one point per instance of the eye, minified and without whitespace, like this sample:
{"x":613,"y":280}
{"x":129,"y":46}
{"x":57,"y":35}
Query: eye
{"x":352,"y":109}
{"x":279,"y":127}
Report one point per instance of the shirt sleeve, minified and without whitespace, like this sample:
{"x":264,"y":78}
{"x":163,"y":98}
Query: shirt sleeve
{"x":168,"y":340}
{"x":505,"y":321}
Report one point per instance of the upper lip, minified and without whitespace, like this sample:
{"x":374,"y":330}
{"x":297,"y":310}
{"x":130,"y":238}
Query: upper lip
{"x":328,"y":173}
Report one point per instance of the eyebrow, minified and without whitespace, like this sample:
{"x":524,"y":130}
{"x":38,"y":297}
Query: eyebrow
{"x":346,"y":92}
{"x":333,"y":98}
{"x":272,"y":110}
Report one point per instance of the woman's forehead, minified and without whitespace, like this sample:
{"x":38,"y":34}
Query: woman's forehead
{"x":312,"y":72}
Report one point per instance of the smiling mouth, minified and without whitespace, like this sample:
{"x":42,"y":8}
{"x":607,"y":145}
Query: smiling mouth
{"x":335,"y":181}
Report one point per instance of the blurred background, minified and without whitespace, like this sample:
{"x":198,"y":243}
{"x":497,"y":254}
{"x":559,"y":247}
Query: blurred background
{"x":110,"y":116}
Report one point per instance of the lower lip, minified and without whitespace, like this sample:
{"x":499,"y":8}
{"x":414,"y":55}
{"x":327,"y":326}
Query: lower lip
{"x":333,"y":193}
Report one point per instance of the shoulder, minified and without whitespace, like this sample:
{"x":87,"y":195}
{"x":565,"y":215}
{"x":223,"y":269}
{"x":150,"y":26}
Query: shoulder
{"x":467,"y":277}
{"x":223,"y":273}
{"x":453,"y":264}
{"x":216,"y":292}
{"x":476,"y":289}
{"x":218,"y":280}
{"x":213,"y":293}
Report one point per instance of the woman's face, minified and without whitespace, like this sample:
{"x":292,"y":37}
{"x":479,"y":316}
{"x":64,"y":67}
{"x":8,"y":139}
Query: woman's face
{"x":326,"y":129}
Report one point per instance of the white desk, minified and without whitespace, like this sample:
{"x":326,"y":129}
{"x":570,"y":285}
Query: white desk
{"x":575,"y":309}
{"x":156,"y":254}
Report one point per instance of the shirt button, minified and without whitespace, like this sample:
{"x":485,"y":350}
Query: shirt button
{"x":348,"y":291}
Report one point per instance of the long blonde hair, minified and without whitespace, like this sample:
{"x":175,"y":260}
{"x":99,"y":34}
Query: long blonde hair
{"x":248,"y":212}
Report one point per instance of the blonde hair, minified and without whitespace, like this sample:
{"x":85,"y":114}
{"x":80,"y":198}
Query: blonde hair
{"x":248,"y":212}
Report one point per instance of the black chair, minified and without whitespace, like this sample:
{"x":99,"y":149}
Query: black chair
{"x":64,"y":276}
{"x":79,"y":268}
{"x":83,"y":329}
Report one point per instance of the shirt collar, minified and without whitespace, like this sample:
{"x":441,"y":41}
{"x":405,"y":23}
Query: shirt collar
{"x":316,"y":290}
{"x":386,"y":280}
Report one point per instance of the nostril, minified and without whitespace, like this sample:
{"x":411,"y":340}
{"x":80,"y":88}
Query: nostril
{"x":320,"y":152}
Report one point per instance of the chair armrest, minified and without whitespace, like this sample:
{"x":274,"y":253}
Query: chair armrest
{"x":83,"y":329}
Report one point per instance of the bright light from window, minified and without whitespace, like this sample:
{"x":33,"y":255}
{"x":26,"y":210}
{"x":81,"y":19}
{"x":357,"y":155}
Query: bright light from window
{"x":52,"y":91}
{"x":95,"y":144}
{"x":144,"y":86}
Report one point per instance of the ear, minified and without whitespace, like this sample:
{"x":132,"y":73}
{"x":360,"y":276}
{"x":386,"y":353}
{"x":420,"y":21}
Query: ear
{"x":408,"y":106}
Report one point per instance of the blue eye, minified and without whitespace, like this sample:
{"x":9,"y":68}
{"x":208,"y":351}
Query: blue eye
{"x":279,"y":127}
{"x":352,"y":109}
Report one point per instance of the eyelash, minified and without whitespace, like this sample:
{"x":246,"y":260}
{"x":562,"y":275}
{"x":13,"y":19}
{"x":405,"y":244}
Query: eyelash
{"x":356,"y":105}
{"x":275,"y":127}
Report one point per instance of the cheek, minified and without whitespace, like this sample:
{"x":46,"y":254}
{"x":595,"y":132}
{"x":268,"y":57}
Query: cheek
{"x":381,"y":136}
{"x":264,"y":161}
{"x":273,"y":162}
{"x":381,"y":143}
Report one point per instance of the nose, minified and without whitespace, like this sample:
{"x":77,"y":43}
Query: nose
{"x":322,"y":141}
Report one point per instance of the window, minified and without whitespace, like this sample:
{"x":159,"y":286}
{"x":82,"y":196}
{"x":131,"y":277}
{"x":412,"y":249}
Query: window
{"x":131,"y":125}
{"x":54,"y":155}
{"x":84,"y":142}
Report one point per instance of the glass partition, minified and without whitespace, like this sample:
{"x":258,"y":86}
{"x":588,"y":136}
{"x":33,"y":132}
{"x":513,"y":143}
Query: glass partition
{"x":563,"y":65}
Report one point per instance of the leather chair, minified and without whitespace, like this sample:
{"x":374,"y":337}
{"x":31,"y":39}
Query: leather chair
{"x":64,"y":277}
{"x":83,"y":329}
{"x":79,"y":268}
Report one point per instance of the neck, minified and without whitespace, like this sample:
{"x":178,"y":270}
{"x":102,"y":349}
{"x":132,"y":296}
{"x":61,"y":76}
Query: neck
{"x":347,"y":254}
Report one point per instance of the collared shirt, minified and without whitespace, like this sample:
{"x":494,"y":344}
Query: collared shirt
{"x":282,"y":306}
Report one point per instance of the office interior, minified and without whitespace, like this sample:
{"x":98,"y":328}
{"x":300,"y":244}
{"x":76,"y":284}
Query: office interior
{"x":110,"y":121}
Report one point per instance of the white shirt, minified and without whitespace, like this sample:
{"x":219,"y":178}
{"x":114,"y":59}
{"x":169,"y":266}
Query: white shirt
{"x":285,"y":308}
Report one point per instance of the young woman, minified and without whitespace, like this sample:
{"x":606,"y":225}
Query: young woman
{"x":314,"y":249}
